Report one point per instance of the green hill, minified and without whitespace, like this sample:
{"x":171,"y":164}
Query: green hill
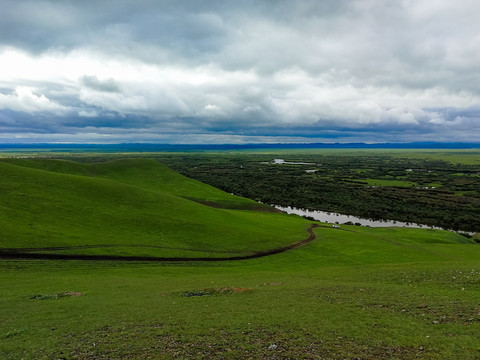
{"x":130,"y":208}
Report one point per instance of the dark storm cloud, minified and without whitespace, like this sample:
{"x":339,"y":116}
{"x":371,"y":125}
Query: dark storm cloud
{"x":39,"y":26}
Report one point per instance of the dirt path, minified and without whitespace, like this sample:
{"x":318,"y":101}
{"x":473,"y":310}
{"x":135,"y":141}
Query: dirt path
{"x":100,"y":246}
{"x":18,"y":254}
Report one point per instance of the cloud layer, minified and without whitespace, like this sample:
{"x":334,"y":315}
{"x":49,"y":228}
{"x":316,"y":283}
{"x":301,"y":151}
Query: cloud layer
{"x":249,"y":71}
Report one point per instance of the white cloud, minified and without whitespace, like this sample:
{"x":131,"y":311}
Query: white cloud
{"x":211,"y":107}
{"x":27,"y":100}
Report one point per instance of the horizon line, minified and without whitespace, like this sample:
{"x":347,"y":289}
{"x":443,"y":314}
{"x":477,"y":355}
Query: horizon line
{"x":226,"y":146}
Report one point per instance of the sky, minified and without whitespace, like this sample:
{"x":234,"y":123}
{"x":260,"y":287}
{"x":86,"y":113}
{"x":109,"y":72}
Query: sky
{"x":207,"y":72}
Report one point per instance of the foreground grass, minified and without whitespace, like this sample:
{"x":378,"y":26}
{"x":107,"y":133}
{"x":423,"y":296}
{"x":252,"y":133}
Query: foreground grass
{"x":353,"y":293}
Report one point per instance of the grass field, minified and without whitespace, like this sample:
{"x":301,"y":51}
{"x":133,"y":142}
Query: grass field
{"x":131,"y":208}
{"x":397,"y":183}
{"x":353,"y":293}
{"x":454,"y":156}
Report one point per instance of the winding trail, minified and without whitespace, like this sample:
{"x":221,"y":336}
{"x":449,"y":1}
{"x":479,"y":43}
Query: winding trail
{"x":18,"y":254}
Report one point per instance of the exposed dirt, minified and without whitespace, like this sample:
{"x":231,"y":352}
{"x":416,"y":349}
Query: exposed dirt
{"x":27,"y":254}
{"x":215,"y":291}
{"x":97,"y":246}
{"x":56,"y":296}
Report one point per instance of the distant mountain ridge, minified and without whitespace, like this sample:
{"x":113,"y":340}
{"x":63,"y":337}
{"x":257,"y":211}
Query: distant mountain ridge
{"x":133,"y":147}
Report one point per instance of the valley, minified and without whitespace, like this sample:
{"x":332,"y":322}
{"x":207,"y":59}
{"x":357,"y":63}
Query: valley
{"x":91,"y":290}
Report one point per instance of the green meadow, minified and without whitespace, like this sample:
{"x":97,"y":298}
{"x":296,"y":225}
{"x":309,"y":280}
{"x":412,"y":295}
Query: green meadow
{"x":398,"y":183}
{"x":130,"y":208}
{"x":351,"y":293}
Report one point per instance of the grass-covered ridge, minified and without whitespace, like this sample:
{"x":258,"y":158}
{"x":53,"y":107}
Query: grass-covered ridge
{"x":132,"y":208}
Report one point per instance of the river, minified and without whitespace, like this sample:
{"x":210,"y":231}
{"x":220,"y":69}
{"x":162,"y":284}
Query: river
{"x":330,"y":217}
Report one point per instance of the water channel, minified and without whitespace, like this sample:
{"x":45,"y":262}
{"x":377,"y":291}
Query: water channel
{"x":335,"y":218}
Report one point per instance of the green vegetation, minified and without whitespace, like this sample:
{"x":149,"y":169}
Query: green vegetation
{"x":463,"y":157}
{"x":353,"y":292}
{"x":422,"y":187}
{"x":397,"y":183}
{"x":130,"y":208}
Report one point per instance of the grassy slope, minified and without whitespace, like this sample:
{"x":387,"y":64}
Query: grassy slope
{"x":145,"y":173}
{"x":129,"y":202}
{"x":353,"y":293}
